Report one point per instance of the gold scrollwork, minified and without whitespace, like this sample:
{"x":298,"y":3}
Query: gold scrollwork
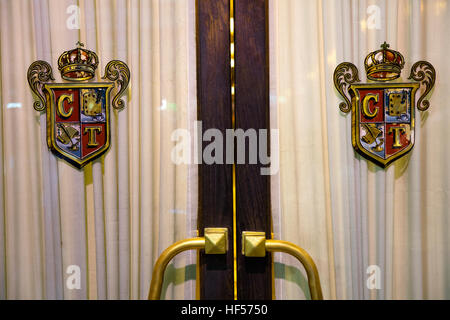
{"x":425,"y":73}
{"x":118,"y":71}
{"x":345,"y":74}
{"x":38,"y":73}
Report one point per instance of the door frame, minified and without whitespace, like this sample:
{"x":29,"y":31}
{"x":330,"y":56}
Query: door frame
{"x":235,"y":196}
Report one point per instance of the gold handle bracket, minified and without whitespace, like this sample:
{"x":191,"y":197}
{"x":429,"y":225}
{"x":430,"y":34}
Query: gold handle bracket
{"x":255,"y":244}
{"x":215,"y":241}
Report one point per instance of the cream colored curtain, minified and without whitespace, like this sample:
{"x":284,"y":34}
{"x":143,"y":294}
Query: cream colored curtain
{"x":346,"y":212}
{"x":113,"y":218}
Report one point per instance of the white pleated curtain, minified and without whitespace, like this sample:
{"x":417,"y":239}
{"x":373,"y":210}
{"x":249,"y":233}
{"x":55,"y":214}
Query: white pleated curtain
{"x":113,"y":218}
{"x":346,"y":212}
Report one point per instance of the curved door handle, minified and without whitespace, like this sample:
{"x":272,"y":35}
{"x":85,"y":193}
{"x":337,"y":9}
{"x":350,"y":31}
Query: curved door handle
{"x":215,"y":241}
{"x":255,"y":244}
{"x":305,"y":259}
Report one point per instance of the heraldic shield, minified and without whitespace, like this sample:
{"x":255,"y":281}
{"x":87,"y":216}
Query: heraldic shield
{"x":78,"y":113}
{"x":383,"y":114}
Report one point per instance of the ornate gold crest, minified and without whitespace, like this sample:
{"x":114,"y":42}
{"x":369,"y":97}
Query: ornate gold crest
{"x":78,"y":112}
{"x":383,"y":112}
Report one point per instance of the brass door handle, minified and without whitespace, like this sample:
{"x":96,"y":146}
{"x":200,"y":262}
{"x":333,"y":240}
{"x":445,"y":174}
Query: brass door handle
{"x":255,"y":244}
{"x":215,"y":241}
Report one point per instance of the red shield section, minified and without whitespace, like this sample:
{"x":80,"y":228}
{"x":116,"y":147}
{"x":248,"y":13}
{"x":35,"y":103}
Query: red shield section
{"x":383,"y":121}
{"x":79,"y":121}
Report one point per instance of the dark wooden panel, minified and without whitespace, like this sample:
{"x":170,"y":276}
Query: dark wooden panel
{"x":252,"y":111}
{"x":214,"y":110}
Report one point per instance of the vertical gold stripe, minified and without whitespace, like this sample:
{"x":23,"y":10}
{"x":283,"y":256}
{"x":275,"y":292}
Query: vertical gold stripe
{"x":91,"y":254}
{"x":102,"y":162}
{"x":197,"y":275}
{"x":233,"y":124}
{"x":326,"y":171}
{"x":234,"y":235}
{"x":3,"y":180}
{"x":90,"y":233}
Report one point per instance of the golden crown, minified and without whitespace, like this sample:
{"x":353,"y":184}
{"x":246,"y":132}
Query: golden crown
{"x":384,"y":64}
{"x":78,"y":64}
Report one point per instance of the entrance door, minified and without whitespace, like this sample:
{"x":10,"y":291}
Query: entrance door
{"x":233,"y":82}
{"x":234,"y":218}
